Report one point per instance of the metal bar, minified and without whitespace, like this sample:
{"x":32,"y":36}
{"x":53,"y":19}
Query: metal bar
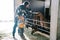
{"x":40,"y":28}
{"x":37,"y":24}
{"x":38,"y":21}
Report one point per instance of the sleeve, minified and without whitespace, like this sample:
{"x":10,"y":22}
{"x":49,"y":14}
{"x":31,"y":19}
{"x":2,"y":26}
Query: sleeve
{"x":18,"y":11}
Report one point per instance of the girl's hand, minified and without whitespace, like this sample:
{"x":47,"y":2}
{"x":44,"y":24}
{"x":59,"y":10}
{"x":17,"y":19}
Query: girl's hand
{"x":21,"y":18}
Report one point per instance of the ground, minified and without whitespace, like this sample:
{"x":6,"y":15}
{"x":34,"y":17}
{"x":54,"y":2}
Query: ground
{"x":35,"y":36}
{"x":6,"y":31}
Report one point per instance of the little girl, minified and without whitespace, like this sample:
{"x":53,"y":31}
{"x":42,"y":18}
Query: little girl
{"x":21,"y":25}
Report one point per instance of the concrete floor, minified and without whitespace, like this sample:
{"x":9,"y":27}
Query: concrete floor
{"x":35,"y":36}
{"x":6,"y":31}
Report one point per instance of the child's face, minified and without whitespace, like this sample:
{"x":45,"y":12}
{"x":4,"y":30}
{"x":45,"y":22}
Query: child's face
{"x":27,"y":6}
{"x":21,"y":17}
